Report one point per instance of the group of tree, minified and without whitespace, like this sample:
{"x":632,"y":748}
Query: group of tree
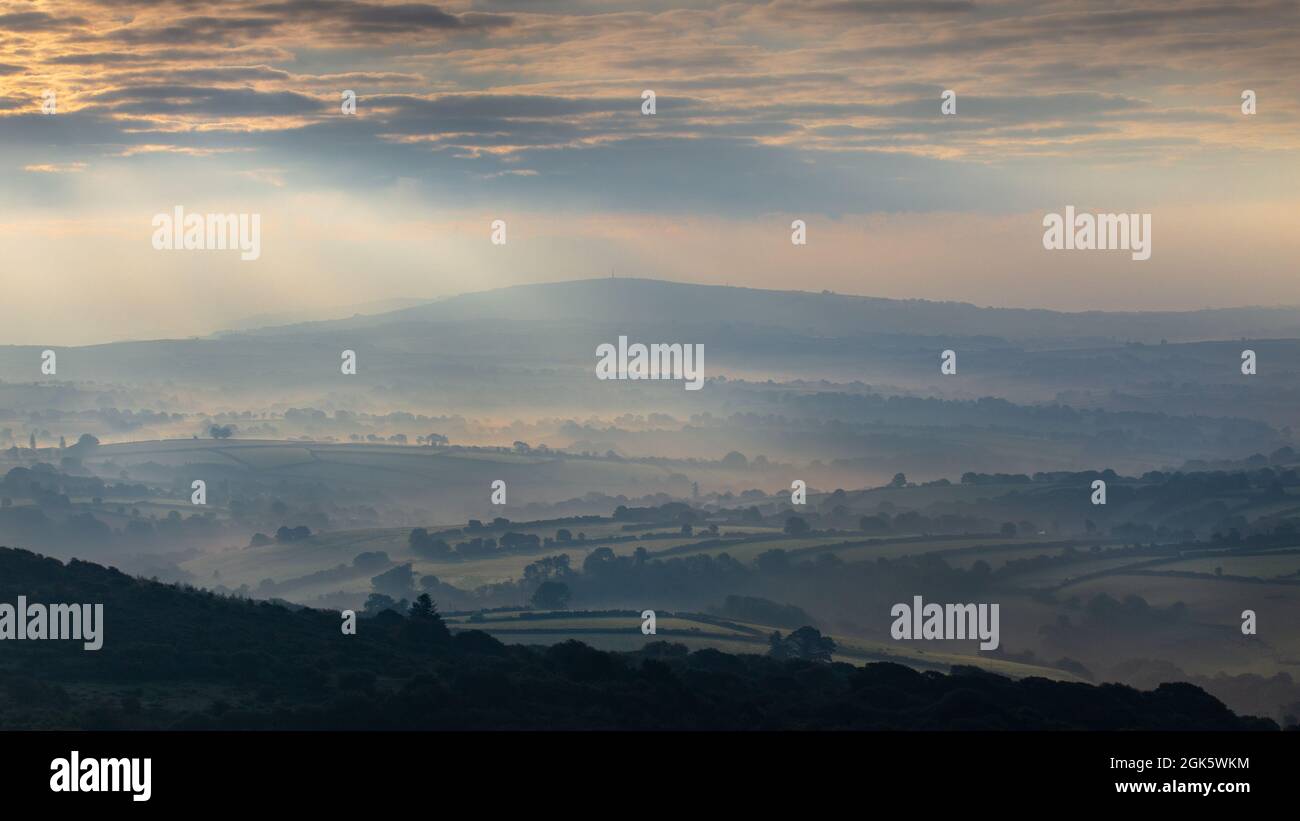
{"x":263,"y":666}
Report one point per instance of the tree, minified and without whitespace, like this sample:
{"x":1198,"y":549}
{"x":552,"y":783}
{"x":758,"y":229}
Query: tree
{"x":772,"y":561}
{"x":735,"y":459}
{"x":423,"y":608}
{"x":284,"y":534}
{"x":598,"y":559}
{"x":899,"y":480}
{"x":427,"y":547}
{"x":520,"y":541}
{"x":546,"y":568}
{"x":376,"y":603}
{"x":809,"y":644}
{"x":776,"y":646}
{"x":418,"y":540}
{"x":425,"y":621}
{"x":796,"y":526}
{"x":551,"y":596}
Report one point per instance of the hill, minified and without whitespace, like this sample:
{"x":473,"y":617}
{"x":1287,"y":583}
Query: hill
{"x":632,"y":300}
{"x":528,"y":353}
{"x":174,"y":657}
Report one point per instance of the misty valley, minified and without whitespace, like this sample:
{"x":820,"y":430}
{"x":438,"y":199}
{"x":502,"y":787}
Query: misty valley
{"x":356,"y":417}
{"x":475,"y":483}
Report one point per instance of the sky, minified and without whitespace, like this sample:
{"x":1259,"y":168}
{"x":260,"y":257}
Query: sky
{"x":530,"y":112}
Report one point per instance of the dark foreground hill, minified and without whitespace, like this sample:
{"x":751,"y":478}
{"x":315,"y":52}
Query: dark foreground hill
{"x":176,"y":657}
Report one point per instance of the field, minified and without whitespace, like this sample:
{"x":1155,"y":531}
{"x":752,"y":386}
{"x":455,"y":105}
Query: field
{"x":1272,"y":565}
{"x":405,"y":470}
{"x":623,"y":632}
{"x":283,"y":562}
{"x":1207,"y":587}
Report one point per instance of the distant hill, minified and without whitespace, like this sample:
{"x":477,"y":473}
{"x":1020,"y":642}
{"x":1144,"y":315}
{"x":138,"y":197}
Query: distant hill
{"x":178,"y":658}
{"x":528,"y":352}
{"x":291,"y":317}
{"x":637,"y":301}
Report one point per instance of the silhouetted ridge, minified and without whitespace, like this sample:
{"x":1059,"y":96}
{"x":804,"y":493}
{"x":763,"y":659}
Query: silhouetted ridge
{"x":232,"y":663}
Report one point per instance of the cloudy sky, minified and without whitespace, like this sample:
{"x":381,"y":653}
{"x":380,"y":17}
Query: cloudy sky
{"x":529,"y":111}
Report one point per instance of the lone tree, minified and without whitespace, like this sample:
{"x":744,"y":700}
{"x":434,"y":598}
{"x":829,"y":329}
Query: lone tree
{"x":806,"y":643}
{"x":426,"y":621}
{"x":796,"y":526}
{"x":424,"y":608}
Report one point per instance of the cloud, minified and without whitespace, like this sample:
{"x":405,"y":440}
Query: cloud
{"x":208,"y":101}
{"x":56,"y":168}
{"x":373,"y":18}
{"x":826,"y":108}
{"x":38,"y":21}
{"x":877,"y":7}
